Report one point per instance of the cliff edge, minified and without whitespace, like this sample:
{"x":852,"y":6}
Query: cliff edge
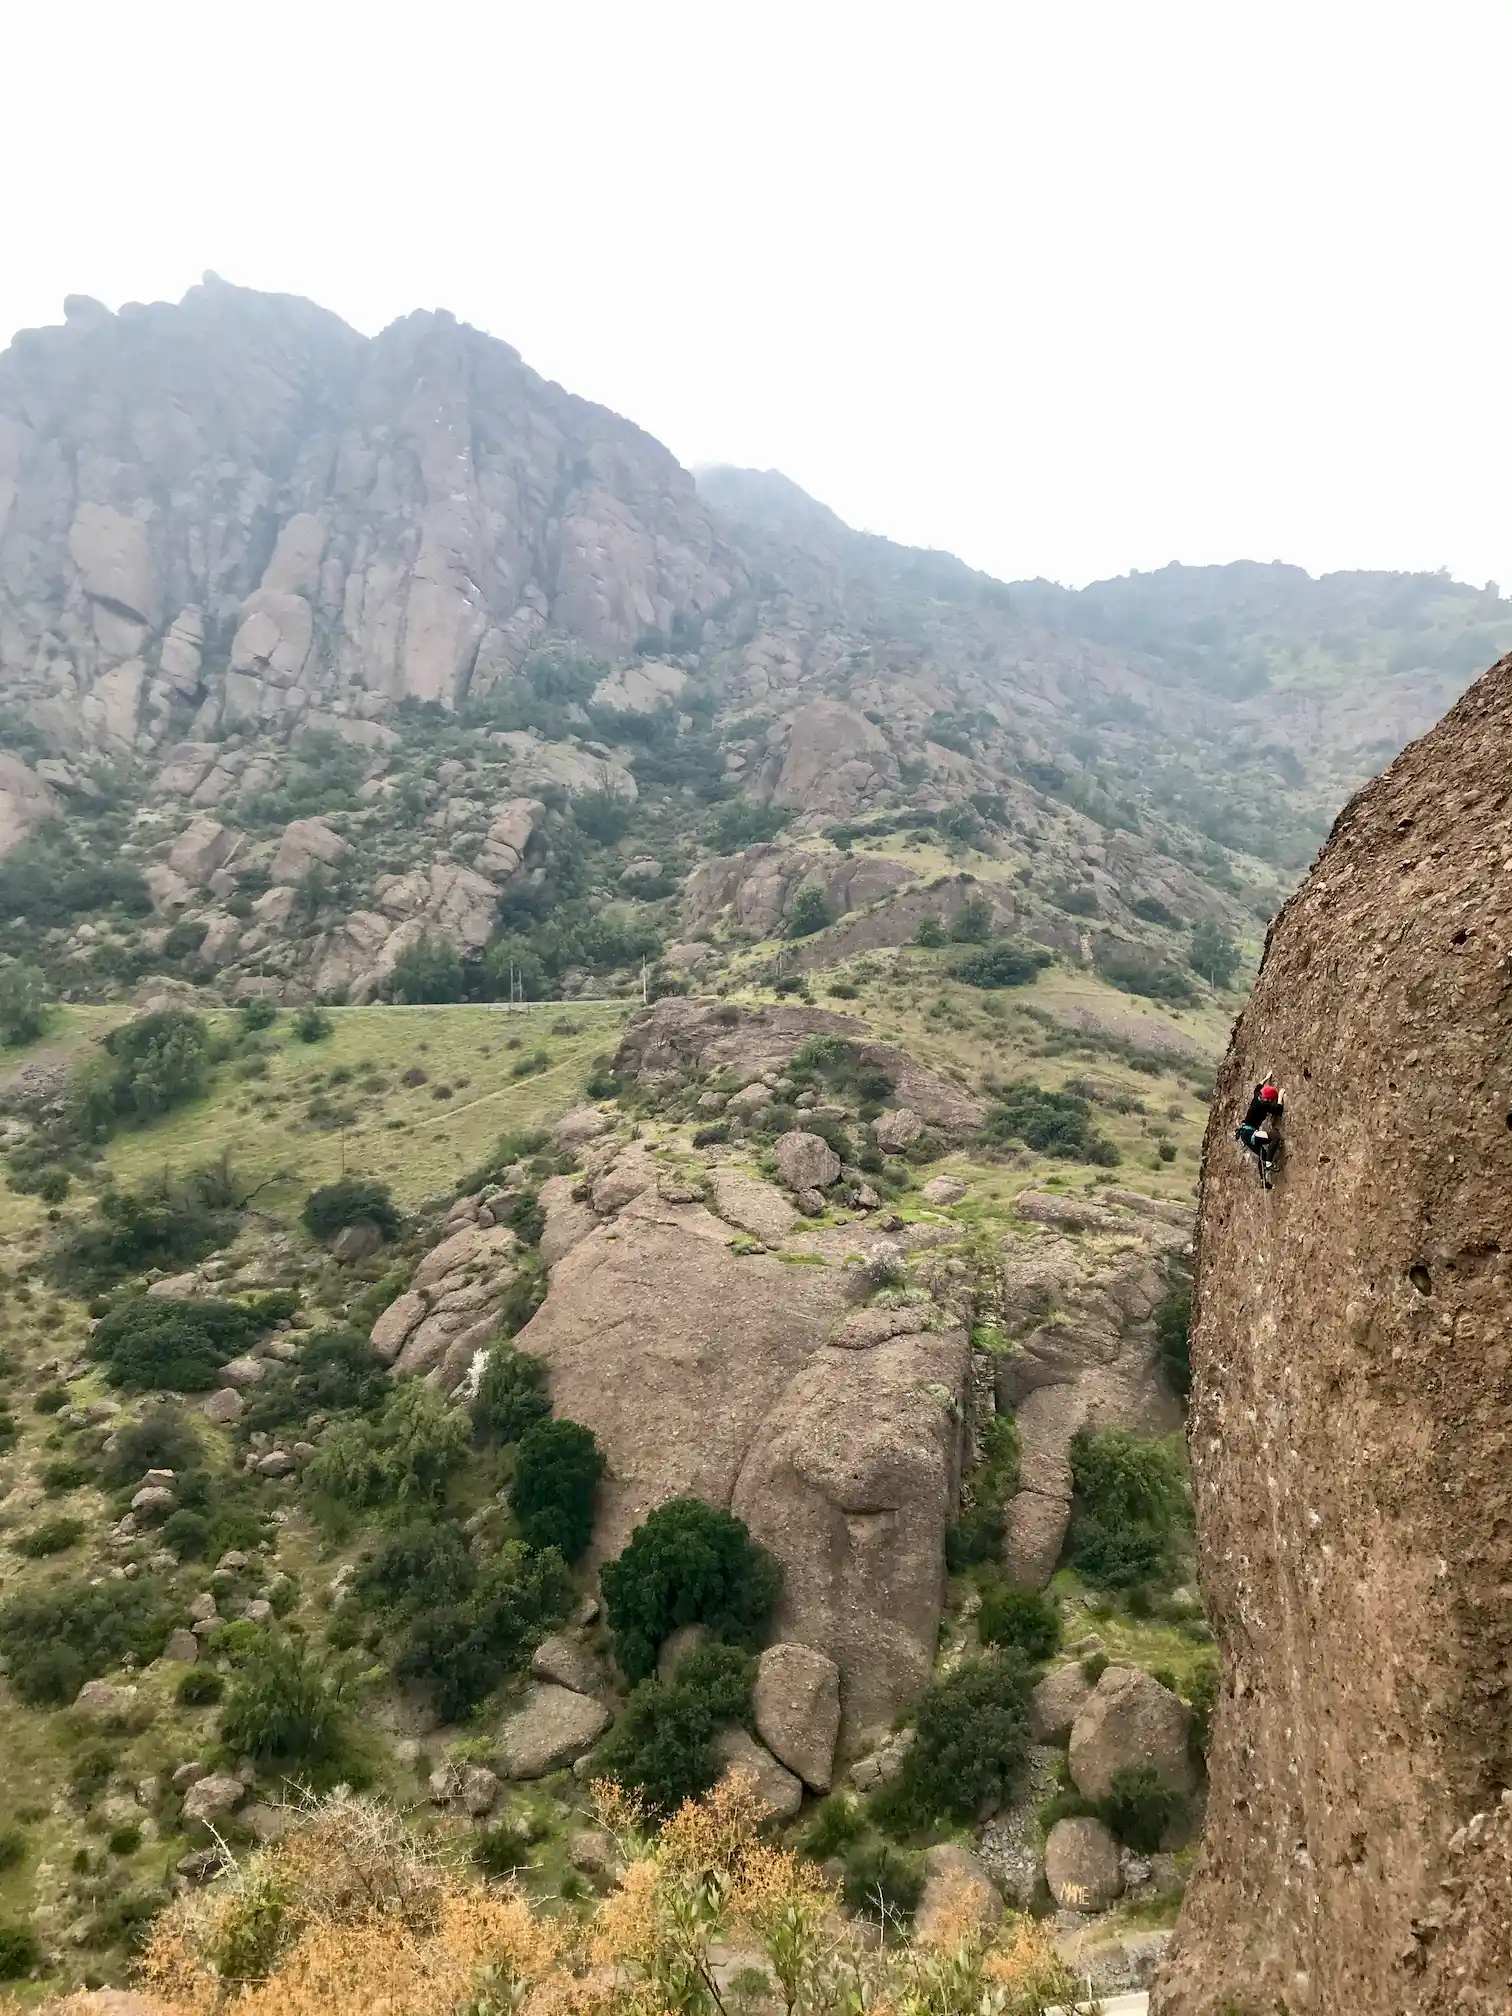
{"x":1351,"y":1422}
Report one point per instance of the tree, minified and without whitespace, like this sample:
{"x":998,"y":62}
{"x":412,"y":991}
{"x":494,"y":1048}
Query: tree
{"x":972,"y":923}
{"x":334,"y":1206}
{"x":1131,"y":1509}
{"x":931,"y":932}
{"x":1005,"y":964}
{"x":511,"y":1395}
{"x":285,"y":1703}
{"x":688,"y":1563}
{"x":556,"y":1474}
{"x":150,"y":1065}
{"x":971,"y":1740}
{"x":1025,"y":1619}
{"x":1213,"y":953}
{"x":429,"y":970}
{"x":24,"y":1007}
{"x":810,"y":913}
{"x":662,"y":1744}
{"x":312,"y":1024}
{"x":405,"y":1458}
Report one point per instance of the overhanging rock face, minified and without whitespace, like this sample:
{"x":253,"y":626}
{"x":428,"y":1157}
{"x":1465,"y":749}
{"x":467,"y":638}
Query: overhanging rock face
{"x":1351,"y":1421}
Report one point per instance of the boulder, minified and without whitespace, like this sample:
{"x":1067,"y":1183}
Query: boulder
{"x":585,"y":1123}
{"x":182,"y":1646}
{"x":244,"y":1371}
{"x":188,"y":1774}
{"x":478,"y":1791}
{"x":304,"y":841}
{"x":883,"y":1762}
{"x":1082,"y":1865}
{"x":796,"y":1703}
{"x":806,"y":1161}
{"x":100,"y":1701}
{"x":898,"y":1130}
{"x":568,"y":1218}
{"x":567,"y":1662}
{"x":1131,"y":1719}
{"x":755,"y":1207}
{"x":210,"y":1798}
{"x":1056,"y":1702}
{"x":676,"y":1646}
{"x":25,"y":802}
{"x":959,"y":1897}
{"x":394,"y":1325}
{"x":153,"y":1499}
{"x":621,"y":1184}
{"x":1034,"y":1532}
{"x":507,"y":838}
{"x":595,"y":1853}
{"x":202,"y":847}
{"x":356,"y":1242}
{"x":554,"y":1726}
{"x":943,"y":1190}
{"x":266,"y":1824}
{"x":778,"y":1789}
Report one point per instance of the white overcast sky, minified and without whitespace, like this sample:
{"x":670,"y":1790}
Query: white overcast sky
{"x":1066,"y":288}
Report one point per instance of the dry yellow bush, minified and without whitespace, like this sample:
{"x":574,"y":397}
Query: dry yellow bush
{"x":351,"y":1915}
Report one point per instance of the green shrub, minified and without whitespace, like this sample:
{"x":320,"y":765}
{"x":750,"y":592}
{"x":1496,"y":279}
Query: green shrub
{"x":258,"y":1013}
{"x":1139,"y":1808}
{"x":401,"y":1459}
{"x":501,"y":1850}
{"x":199,"y":1687}
{"x":53,"y":1536}
{"x":12,"y":1847}
{"x":1131,"y":1510}
{"x":20,"y":1951}
{"x":187,"y":1533}
{"x":971,"y":1741}
{"x":1153,"y":911}
{"x":461,"y":1650}
{"x":161,"y":1440}
{"x":428,"y":970}
{"x":157,"y":1342}
{"x":1023,"y":1620}
{"x":1054,"y":1123}
{"x":1173,"y":1323}
{"x":124,"y":1840}
{"x":977,"y":1536}
{"x":511,"y":1395}
{"x":741,"y":824}
{"x":1093,"y":1667}
{"x":1136,"y":971}
{"x":57,"y":1638}
{"x":50,"y":1399}
{"x":24,"y":1007}
{"x":972,"y":923}
{"x":416,"y":1567}
{"x":836,"y":1823}
{"x":336,"y":1372}
{"x":662,"y":1744}
{"x":1202,"y":1698}
{"x":66,"y":1474}
{"x":931,"y":932}
{"x":1213,"y":953}
{"x":312,"y":1024}
{"x":1008,"y":963}
{"x":149,"y":1066}
{"x":810,"y":912}
{"x":284,"y":1702}
{"x":883,"y":1882}
{"x":164,"y":1224}
{"x":687,"y":1563}
{"x":557,"y":1471}
{"x":331,"y":1208}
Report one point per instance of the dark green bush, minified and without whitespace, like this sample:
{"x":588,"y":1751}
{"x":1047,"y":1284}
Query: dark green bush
{"x":187,"y":1533}
{"x":334,"y":1206}
{"x":557,"y":1470}
{"x":1153,"y":911}
{"x":972,"y":923}
{"x":1093,"y":1667}
{"x":161,"y":1440}
{"x":1131,"y":1511}
{"x":511,"y":1395}
{"x":742,"y":824}
{"x":24,"y":1007}
{"x":312,"y":1024}
{"x":1136,"y":971}
{"x":1139,"y":1808}
{"x":461,"y":1650}
{"x":416,"y":1567}
{"x":688,"y":1563}
{"x":836,"y":1823}
{"x":662,"y":1744}
{"x":124,"y":1840}
{"x":258,"y":1013}
{"x":336,"y":1372}
{"x":1173,"y":1323}
{"x":972,"y":1738}
{"x":199,"y":1688}
{"x":20,"y":1951}
{"x":50,"y":1399}
{"x":501,"y":1850}
{"x":57,"y":1638}
{"x":1054,"y":1123}
{"x":1008,"y":963}
{"x":285,"y":1703}
{"x":810,"y":912}
{"x":883,"y":1882}
{"x":428,"y":970}
{"x":167,"y":1224}
{"x":1213,"y":953}
{"x":149,"y":1066}
{"x":159,"y":1343}
{"x":1023,"y":1620}
{"x":401,"y":1459}
{"x":65,"y":1473}
{"x":12,"y":1847}
{"x":53,"y":1536}
{"x":931,"y":932}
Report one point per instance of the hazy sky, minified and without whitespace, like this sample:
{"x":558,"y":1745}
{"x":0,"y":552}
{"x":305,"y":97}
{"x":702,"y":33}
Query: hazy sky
{"x":1066,"y":288}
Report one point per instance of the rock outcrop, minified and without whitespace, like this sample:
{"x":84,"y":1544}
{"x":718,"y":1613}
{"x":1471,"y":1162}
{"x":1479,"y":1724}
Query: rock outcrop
{"x":1351,"y":1413}
{"x":360,"y":521}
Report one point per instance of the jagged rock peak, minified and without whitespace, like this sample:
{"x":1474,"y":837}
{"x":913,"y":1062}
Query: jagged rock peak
{"x":1351,"y":1412}
{"x":239,"y":511}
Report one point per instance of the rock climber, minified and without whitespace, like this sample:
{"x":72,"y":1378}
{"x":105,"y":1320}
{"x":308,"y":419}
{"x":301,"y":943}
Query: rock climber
{"x":1256,"y":1131}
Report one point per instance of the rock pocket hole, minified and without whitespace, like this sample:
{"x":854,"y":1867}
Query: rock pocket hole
{"x":1459,"y":937}
{"x":1420,"y":1278}
{"x":1509,"y":1119}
